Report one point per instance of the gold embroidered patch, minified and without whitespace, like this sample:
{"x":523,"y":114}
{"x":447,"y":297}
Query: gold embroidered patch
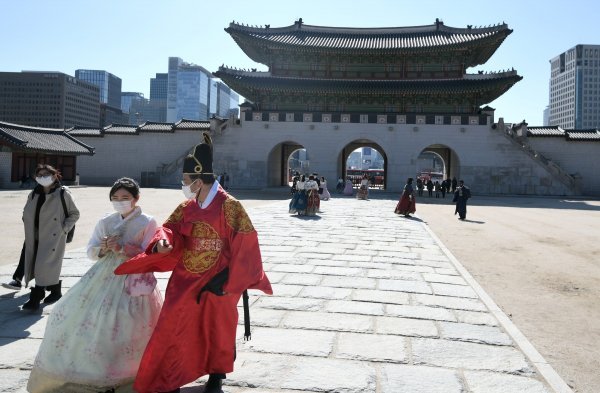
{"x":177,"y":215}
{"x":207,"y":248}
{"x":236,"y":216}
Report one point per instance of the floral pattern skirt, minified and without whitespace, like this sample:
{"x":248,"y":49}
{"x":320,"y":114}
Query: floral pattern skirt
{"x":95,"y":335}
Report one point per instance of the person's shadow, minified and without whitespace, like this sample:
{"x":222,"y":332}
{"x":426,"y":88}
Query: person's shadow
{"x":473,"y":221}
{"x":14,"y":321}
{"x":195,"y":389}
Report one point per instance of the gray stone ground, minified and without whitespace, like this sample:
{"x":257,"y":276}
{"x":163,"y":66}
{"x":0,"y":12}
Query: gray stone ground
{"x":364,"y":301}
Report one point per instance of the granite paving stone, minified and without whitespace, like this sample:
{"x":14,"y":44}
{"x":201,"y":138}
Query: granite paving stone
{"x":364,"y":302}
{"x":372,"y":347}
{"x":456,"y":354}
{"x":420,"y":312}
{"x":487,"y":382}
{"x":453,"y":290}
{"x":373,"y":295}
{"x":406,"y":327}
{"x":354,"y":307}
{"x":475,"y":333}
{"x":419,"y":379}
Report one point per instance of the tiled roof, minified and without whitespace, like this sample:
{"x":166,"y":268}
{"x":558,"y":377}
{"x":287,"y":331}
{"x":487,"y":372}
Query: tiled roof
{"x":246,"y":83}
{"x":301,"y":35}
{"x":545,"y":131}
{"x":121,"y":129}
{"x":151,"y":126}
{"x":185,"y":124}
{"x":583,"y":135}
{"x":43,"y":140}
{"x":84,"y":131}
{"x":570,"y":135}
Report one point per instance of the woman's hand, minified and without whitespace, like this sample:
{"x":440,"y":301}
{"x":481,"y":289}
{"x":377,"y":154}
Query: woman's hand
{"x":163,"y":246}
{"x":112,"y":243}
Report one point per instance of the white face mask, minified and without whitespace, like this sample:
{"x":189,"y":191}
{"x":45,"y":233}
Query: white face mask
{"x":44,"y":181}
{"x":122,"y":207}
{"x":187,"y":191}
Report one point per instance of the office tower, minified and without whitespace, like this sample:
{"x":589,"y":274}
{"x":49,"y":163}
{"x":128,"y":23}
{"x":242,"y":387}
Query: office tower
{"x":188,"y":91}
{"x":575,"y":88}
{"x":48,"y":99}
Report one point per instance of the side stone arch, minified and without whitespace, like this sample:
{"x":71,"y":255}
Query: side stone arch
{"x":448,"y":156}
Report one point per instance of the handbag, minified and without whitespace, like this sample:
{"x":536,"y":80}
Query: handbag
{"x":62,"y":199}
{"x":140,"y":284}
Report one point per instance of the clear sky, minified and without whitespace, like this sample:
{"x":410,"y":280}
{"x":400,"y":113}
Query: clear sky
{"x":134,"y":38}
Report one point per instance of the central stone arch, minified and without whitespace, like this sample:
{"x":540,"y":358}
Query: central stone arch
{"x":356,"y":144}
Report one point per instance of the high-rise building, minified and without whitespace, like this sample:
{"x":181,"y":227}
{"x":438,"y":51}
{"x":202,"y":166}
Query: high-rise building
{"x":159,"y":86}
{"x":128,"y":97}
{"x":156,"y":108}
{"x":109,"y":84}
{"x":48,"y":99}
{"x":188,"y":91}
{"x":575,"y":88}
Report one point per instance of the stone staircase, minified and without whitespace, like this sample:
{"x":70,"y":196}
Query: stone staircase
{"x":517,"y":134}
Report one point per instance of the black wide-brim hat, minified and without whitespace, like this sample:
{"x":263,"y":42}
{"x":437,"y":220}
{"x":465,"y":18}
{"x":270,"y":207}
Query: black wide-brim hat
{"x":200,"y":160}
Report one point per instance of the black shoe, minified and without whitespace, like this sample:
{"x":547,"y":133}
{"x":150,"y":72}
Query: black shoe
{"x":14,"y":284}
{"x":213,"y":385}
{"x":36,"y":296}
{"x":55,"y":293}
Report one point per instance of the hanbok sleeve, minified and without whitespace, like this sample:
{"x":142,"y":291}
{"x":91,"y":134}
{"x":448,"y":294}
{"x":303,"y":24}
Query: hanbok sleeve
{"x":93,"y":246}
{"x":245,"y":266}
{"x":150,"y":261}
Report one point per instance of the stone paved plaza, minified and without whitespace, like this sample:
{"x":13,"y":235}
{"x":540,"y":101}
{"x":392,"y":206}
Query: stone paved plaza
{"x":364,"y":301}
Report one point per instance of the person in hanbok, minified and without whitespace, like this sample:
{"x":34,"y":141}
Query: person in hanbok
{"x":299,"y":199}
{"x":461,"y":196}
{"x":313,"y":202}
{"x":363,"y":189}
{"x":348,"y":188}
{"x":212,"y":248}
{"x":96,"y":334}
{"x":339,"y":187}
{"x":407,"y":203}
{"x":325,"y":195}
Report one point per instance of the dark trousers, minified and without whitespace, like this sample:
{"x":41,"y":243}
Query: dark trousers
{"x":20,"y":272}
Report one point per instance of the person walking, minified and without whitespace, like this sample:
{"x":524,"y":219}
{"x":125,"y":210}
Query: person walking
{"x":407,"y":203}
{"x":444,"y":188}
{"x":420,"y":186}
{"x":430,"y":188}
{"x":437,"y":187}
{"x":325,"y":195}
{"x":96,"y":334}
{"x":454,"y":184}
{"x":48,"y":216}
{"x":461,"y":195}
{"x":212,"y":248}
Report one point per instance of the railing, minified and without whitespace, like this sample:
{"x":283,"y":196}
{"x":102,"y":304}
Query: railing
{"x":550,"y":165}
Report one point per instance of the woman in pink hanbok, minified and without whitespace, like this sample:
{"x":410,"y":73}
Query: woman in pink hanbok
{"x":97,"y":332}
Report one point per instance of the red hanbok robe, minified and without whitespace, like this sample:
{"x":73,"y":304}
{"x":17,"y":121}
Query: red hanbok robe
{"x":407,"y":203}
{"x":190,"y":339}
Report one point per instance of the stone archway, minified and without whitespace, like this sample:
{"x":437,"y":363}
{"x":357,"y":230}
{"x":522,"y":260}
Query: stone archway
{"x":278,"y":163}
{"x":448,"y":158}
{"x":363,"y":143}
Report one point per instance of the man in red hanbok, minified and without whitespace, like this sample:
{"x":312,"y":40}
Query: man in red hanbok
{"x":212,"y":248}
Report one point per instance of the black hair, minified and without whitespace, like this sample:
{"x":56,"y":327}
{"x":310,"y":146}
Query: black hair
{"x":410,"y":180}
{"x":126,"y":183}
{"x":206,"y":178}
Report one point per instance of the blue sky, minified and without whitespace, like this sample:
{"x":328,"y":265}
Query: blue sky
{"x":134,"y":38}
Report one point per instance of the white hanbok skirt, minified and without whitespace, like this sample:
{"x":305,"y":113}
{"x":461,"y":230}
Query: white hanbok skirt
{"x":95,"y":335}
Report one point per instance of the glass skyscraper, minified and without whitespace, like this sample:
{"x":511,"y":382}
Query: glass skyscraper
{"x":109,"y":84}
{"x":159,"y":86}
{"x":188,"y":91}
